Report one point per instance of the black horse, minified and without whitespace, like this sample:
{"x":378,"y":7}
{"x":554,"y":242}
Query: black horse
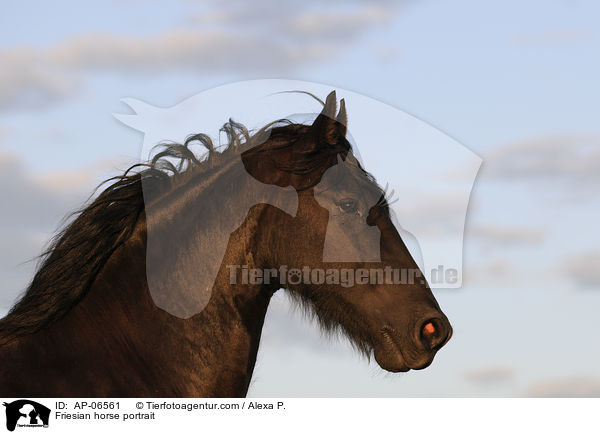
{"x":116,"y":309}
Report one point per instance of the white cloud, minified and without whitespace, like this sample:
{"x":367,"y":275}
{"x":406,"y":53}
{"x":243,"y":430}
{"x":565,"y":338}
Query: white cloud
{"x":34,"y":208}
{"x":506,"y":235}
{"x":86,"y":178}
{"x":268,"y":15}
{"x":27,"y":196}
{"x":489,"y":375}
{"x":583,"y":269}
{"x":571,"y":157}
{"x":497,"y":272}
{"x":245,"y":38}
{"x":256,"y":37}
{"x":27,"y":81}
{"x":577,"y":387}
{"x":337,"y":25}
{"x":205,"y":52}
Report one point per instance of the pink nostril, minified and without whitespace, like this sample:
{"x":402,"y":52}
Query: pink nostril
{"x":434,"y":333}
{"x":429,"y":328}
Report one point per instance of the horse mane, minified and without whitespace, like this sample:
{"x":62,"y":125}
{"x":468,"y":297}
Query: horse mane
{"x":68,"y":267}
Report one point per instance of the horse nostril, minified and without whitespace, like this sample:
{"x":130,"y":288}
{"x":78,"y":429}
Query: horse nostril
{"x":434,"y":333}
{"x":429,"y":328}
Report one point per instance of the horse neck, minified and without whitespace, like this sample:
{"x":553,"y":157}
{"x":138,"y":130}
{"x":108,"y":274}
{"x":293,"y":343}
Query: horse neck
{"x":206,"y":338}
{"x":216,"y":225}
{"x":190,"y":231}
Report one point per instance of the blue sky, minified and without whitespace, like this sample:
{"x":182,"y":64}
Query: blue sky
{"x":516,"y":82}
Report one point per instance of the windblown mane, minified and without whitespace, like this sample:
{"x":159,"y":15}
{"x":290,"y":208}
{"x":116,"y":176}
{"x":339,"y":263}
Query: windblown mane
{"x":69,"y":266}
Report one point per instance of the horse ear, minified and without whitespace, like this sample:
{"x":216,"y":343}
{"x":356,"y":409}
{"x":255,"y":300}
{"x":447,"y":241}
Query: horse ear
{"x":342,"y":118}
{"x":328,"y":129}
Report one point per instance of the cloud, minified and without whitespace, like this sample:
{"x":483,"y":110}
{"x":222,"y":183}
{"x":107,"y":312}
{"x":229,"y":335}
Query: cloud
{"x":576,"y":387}
{"x":31,"y":213}
{"x":28,"y":81}
{"x":505,"y":235}
{"x":496,"y":272}
{"x":26,"y":198}
{"x":34,"y":207}
{"x":37,"y":203}
{"x":583,"y":269}
{"x":243,"y":37}
{"x":246,"y":39}
{"x":489,"y":375}
{"x":204,"y":52}
{"x":338,"y":26}
{"x":564,"y":158}
{"x":268,"y":15}
{"x":83,"y":180}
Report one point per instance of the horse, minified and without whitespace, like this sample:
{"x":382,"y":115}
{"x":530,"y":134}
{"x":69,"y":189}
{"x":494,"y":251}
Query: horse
{"x":98,"y":321}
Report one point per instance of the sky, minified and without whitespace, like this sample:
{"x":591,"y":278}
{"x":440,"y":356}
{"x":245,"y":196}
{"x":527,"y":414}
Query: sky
{"x":514,"y":82}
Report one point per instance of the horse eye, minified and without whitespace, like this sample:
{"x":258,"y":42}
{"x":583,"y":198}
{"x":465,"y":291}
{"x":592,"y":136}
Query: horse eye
{"x":347,"y":205}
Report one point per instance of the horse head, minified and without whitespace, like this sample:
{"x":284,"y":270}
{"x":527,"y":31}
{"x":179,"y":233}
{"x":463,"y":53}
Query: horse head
{"x":343,"y":227}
